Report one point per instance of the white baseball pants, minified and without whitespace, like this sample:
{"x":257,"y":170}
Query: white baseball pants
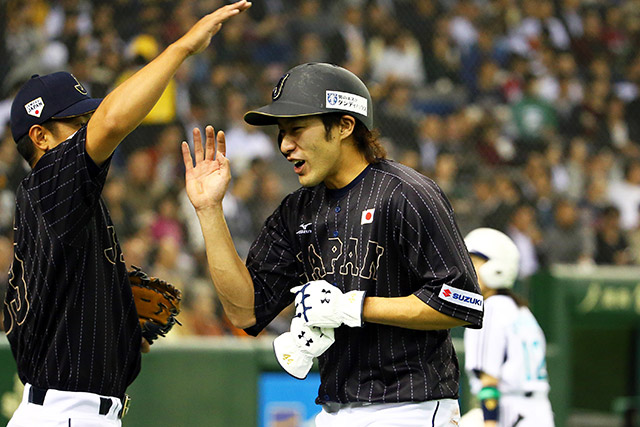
{"x":66,"y":409}
{"x":434,"y":413}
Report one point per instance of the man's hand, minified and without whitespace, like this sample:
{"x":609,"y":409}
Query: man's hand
{"x":145,"y":346}
{"x":319,"y":303}
{"x":199,"y":36}
{"x":296,"y":349}
{"x":207,"y":181}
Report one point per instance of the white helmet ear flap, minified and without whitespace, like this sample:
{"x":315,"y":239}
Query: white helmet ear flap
{"x":502,"y":255}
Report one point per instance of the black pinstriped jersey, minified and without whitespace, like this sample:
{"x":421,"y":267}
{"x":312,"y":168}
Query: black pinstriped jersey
{"x":69,"y":312}
{"x":392,"y":233}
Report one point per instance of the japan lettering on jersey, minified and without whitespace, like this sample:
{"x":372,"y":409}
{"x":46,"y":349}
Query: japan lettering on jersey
{"x":392,"y":233}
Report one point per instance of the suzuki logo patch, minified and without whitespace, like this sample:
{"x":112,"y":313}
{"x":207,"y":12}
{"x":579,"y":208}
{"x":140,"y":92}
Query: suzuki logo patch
{"x":461,"y":297}
{"x":35,"y":107}
{"x":367,"y":216}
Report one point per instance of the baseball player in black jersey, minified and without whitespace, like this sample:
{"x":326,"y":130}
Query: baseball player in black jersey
{"x":368,"y":249}
{"x":69,"y":312}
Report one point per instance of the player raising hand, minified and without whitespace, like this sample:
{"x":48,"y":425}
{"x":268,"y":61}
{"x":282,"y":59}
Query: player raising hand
{"x":69,"y":311}
{"x":367,"y":249}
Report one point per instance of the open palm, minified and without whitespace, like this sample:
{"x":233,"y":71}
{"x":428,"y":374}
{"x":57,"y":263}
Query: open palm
{"x":207,"y":181}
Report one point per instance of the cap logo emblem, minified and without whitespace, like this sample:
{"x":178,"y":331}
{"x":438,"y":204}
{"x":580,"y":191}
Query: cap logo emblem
{"x":79,"y":86}
{"x":277,"y":91}
{"x":346,"y":101}
{"x":34,"y":108}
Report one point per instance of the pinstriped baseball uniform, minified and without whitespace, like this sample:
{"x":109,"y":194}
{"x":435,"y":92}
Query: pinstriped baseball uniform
{"x":392,"y":233}
{"x":69,"y":311}
{"x":511,"y":347}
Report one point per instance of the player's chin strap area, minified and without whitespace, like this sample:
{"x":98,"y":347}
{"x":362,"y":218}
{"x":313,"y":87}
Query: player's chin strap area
{"x":489,"y":398}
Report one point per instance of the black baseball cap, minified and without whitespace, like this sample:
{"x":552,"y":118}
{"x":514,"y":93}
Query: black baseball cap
{"x":53,"y":96}
{"x":315,"y":88}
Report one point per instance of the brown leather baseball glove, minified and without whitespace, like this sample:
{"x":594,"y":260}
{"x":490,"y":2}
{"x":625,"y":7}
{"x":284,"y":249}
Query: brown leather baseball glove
{"x":157,"y":302}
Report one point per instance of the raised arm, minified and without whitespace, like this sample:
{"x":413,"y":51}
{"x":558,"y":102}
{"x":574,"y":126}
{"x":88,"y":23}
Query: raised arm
{"x":206,"y":184}
{"x":124,"y":108}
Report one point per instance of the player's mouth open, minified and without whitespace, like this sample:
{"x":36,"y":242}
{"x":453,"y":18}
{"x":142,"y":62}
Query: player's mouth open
{"x":297,"y":166}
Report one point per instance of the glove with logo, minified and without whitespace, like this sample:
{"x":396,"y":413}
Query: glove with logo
{"x":157,"y":303}
{"x":321,"y":304}
{"x":296,"y":349}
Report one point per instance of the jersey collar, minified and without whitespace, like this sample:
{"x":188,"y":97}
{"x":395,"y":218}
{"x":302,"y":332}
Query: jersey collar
{"x":341,"y":192}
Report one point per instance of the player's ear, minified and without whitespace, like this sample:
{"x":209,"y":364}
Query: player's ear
{"x":346,"y":126}
{"x":40,"y":137}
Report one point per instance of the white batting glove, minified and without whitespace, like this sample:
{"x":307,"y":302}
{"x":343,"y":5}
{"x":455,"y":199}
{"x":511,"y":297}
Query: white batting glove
{"x":296,"y":349}
{"x":321,"y":304}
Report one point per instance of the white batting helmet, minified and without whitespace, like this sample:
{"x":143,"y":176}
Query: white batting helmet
{"x":502,"y":255}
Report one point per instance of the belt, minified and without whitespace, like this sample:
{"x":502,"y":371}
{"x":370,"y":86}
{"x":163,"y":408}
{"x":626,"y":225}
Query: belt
{"x":37,"y":395}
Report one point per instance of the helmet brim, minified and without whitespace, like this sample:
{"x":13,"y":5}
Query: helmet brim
{"x":269,"y":114}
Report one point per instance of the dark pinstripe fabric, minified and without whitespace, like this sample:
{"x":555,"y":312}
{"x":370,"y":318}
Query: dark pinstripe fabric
{"x":411,"y":246}
{"x":69,"y":310}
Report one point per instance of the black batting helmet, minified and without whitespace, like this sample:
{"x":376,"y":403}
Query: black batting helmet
{"x":316,"y":88}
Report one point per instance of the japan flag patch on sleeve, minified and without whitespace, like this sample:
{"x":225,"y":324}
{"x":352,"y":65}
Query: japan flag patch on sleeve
{"x":367,"y":216}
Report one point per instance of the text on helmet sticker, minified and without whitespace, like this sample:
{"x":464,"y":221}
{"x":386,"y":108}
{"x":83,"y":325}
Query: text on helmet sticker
{"x":34,"y":108}
{"x":461,"y":297}
{"x":346,"y":101}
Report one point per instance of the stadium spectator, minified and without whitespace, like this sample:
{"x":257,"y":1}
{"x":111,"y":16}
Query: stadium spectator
{"x":611,"y":246}
{"x":200,"y":311}
{"x":534,"y":120}
{"x":524,"y":231}
{"x":399,"y":120}
{"x":396,"y":56}
{"x":246,"y":143}
{"x":567,"y":241}
{"x":486,"y":86}
{"x":625,"y":195}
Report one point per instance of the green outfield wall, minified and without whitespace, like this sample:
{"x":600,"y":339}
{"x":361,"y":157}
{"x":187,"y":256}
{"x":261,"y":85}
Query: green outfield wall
{"x":591,"y":320}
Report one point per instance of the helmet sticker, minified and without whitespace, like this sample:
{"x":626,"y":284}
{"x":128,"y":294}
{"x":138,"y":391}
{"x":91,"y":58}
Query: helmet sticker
{"x":277,"y":91}
{"x":346,"y":101}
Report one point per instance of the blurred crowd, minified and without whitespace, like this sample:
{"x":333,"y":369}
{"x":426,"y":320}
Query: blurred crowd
{"x":526,"y":113}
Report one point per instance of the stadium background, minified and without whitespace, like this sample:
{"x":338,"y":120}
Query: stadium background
{"x":526,"y":112}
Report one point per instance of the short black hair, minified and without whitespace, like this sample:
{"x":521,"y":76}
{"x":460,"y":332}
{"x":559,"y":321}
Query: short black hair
{"x":27,"y":149}
{"x":366,"y":140}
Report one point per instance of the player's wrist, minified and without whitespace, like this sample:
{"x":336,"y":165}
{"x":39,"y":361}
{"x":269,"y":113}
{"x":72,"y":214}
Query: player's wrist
{"x":180,"y":49}
{"x":210,"y":210}
{"x":489,"y":398}
{"x":351,"y":307}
